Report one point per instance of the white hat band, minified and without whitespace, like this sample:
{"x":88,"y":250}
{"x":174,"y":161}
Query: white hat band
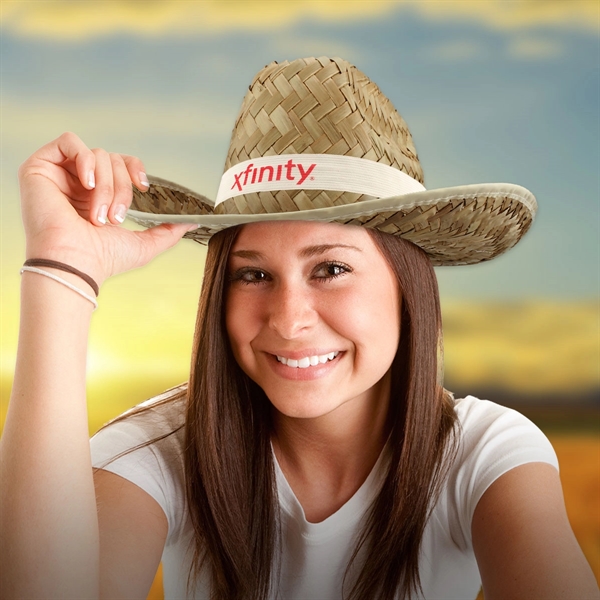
{"x":315,"y":172}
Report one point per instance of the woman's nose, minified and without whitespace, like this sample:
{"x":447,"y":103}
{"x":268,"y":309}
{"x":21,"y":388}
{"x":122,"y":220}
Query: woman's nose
{"x":291,"y":311}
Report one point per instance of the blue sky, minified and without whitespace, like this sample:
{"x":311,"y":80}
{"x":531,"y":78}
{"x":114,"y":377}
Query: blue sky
{"x":485,"y":100}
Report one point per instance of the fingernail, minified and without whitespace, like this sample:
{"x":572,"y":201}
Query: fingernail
{"x":120,"y":213}
{"x":193,"y":227}
{"x":144,"y":179}
{"x":92,"y":179}
{"x":102,"y":212}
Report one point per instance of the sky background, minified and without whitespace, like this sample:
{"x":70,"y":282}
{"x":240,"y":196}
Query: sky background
{"x":492,"y":91}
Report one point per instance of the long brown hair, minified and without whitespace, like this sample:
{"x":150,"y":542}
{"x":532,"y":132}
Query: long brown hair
{"x":228,"y":459}
{"x":422,"y":440}
{"x":230,"y":480}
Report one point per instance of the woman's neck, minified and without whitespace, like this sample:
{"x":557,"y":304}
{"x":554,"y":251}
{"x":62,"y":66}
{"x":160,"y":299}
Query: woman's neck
{"x":326,"y":459}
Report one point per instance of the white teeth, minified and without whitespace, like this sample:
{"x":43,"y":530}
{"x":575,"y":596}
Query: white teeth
{"x":307,"y":361}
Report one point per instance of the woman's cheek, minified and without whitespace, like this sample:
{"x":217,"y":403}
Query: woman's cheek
{"x":242,"y":322}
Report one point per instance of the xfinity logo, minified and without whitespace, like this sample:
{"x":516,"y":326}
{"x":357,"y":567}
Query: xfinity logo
{"x":312,"y":172}
{"x":272,"y":173}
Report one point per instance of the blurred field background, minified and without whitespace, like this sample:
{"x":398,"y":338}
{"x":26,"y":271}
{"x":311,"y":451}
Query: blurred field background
{"x":492,"y":91}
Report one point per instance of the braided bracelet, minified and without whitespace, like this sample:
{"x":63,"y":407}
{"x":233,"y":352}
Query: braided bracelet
{"x":61,"y":280}
{"x":44,"y":262}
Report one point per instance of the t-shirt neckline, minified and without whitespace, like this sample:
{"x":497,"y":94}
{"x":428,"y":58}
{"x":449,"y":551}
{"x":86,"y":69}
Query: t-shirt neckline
{"x":346,"y":517}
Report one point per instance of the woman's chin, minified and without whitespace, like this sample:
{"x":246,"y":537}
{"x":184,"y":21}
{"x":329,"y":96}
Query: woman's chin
{"x":304,"y":407}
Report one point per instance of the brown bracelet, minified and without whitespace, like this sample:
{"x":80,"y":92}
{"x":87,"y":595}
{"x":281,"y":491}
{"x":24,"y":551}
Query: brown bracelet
{"x":44,"y":262}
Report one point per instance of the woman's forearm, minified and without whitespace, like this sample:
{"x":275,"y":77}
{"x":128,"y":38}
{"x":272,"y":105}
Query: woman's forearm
{"x":72,"y":204}
{"x":49,"y":530}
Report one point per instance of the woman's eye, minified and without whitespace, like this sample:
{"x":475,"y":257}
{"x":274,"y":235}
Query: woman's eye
{"x":331,"y":270}
{"x":249,"y":276}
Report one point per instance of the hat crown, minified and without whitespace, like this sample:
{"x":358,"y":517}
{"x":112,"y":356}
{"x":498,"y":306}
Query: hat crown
{"x":315,"y":106}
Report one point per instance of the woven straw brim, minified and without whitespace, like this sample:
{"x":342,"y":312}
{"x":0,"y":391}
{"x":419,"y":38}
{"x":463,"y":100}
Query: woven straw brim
{"x":454,"y":226}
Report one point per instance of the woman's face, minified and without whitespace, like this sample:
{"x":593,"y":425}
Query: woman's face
{"x":312,"y":314}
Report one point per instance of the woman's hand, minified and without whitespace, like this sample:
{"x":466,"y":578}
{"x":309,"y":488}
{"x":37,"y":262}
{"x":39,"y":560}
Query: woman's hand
{"x":73,"y":200}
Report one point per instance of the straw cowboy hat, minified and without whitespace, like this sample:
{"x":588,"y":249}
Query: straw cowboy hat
{"x":317,"y":140}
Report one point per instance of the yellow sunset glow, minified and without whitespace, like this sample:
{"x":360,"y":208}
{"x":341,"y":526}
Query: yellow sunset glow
{"x":77,"y":20}
{"x":530,"y":347}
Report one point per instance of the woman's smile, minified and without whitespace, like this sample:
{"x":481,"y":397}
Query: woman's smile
{"x":308,"y":360}
{"x":308,"y":366}
{"x":312,"y":314}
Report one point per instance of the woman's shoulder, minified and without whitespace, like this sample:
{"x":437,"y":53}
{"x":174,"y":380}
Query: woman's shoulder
{"x":157,"y":417}
{"x":471,"y":408}
{"x":492,"y":440}
{"x":166,"y":409}
{"x":156,"y":425}
{"x":145,"y":446}
{"x":494,"y":432}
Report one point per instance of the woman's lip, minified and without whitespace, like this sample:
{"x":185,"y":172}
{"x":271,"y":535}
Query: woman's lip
{"x":303,"y":374}
{"x":308,"y":361}
{"x":300,"y":354}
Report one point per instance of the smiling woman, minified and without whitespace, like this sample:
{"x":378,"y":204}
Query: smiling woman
{"x":302,"y":291}
{"x":314,"y":452}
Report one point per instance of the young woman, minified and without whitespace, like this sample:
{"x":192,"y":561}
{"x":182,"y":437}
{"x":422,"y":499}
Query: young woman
{"x":314,"y":452}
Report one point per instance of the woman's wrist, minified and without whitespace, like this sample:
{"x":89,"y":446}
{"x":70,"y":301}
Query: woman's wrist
{"x":53,"y":287}
{"x":79,"y":259}
{"x":33,"y":265}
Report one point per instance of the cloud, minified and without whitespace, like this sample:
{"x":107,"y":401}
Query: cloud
{"x":517,"y":14}
{"x":520,"y":48}
{"x":534,"y":49}
{"x":76,"y":21}
{"x":301,"y":45}
{"x":79,"y":20}
{"x":30,"y":119}
{"x":457,"y":51}
{"x":182,"y":145}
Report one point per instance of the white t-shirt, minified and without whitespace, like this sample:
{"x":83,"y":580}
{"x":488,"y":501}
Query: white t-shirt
{"x":493,"y":440}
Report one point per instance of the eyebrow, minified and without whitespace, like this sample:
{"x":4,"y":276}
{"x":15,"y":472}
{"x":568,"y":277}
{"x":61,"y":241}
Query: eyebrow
{"x":322,"y":248}
{"x":307,"y":252}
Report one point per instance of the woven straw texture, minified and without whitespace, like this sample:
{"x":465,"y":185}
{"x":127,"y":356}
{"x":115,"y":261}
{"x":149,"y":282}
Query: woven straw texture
{"x":327,"y":106}
{"x":168,"y":198}
{"x":315,"y":106}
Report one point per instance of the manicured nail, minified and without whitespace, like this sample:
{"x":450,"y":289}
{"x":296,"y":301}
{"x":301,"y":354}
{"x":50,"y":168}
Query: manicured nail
{"x":102,"y":212}
{"x":120,"y":213}
{"x":144,"y":179}
{"x":92,"y":179}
